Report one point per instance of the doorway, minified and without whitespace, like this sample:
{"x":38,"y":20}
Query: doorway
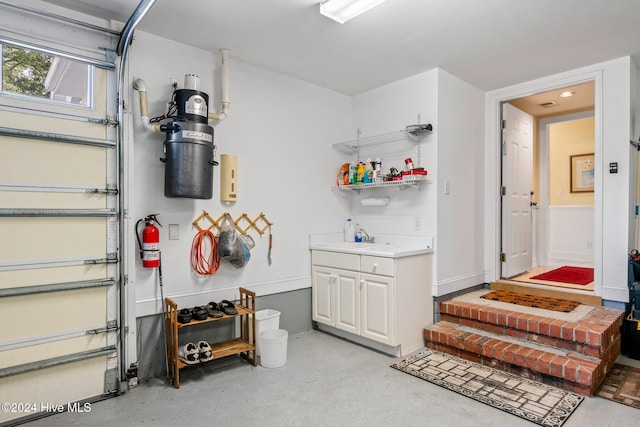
{"x":557,"y":216}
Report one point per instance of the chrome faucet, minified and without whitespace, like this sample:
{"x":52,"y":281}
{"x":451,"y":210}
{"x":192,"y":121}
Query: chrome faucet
{"x":366,"y":238}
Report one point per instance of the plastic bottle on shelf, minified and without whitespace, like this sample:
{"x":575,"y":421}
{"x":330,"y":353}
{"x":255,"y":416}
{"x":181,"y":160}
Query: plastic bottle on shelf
{"x":352,"y":173}
{"x":343,"y":175}
{"x":358,"y":236}
{"x":360,"y":173}
{"x":377,"y":170}
{"x":349,"y":231}
{"x":368,"y":172}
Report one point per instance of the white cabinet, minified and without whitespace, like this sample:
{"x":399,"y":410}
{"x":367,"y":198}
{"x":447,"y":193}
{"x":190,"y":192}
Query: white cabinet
{"x":361,"y":295}
{"x":378,"y":309}
{"x":336,"y":296}
{"x":322,"y":295}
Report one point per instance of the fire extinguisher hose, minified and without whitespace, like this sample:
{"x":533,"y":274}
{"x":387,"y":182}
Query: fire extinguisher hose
{"x":202,"y":263}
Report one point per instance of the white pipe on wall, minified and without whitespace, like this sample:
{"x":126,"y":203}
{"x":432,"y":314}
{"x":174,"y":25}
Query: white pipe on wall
{"x":140,"y":86}
{"x":224,"y":88}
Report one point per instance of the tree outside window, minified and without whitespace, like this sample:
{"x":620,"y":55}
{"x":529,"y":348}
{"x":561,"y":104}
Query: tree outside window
{"x":37,"y":74}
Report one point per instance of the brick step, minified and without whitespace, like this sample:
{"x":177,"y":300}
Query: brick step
{"x":561,"y":368}
{"x":592,"y":335}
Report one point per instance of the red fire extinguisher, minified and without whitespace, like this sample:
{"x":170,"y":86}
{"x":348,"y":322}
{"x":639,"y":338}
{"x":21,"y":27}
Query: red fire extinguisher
{"x":150,"y":245}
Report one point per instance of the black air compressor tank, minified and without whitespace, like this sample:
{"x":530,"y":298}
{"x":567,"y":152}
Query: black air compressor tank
{"x":189,"y":161}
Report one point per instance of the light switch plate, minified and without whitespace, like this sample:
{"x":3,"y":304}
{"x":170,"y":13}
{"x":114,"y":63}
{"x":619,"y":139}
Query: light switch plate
{"x":174,"y":232}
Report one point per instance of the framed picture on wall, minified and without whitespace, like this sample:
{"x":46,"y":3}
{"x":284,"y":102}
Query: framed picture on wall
{"x":582,"y":173}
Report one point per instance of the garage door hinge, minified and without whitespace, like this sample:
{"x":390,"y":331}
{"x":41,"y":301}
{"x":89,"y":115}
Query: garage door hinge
{"x":111,"y":189}
{"x":111,"y":258}
{"x":108,"y":121}
{"x":111,"y":326}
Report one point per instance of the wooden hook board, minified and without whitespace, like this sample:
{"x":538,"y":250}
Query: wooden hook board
{"x":243,"y":223}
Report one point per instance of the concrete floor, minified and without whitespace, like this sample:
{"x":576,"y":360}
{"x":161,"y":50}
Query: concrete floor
{"x":326,"y":381}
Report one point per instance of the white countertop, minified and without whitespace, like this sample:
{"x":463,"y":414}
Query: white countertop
{"x":388,"y":246}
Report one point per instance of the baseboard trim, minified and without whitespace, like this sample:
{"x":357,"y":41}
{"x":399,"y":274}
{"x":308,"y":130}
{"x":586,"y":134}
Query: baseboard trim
{"x":149,"y":306}
{"x":457,"y":284}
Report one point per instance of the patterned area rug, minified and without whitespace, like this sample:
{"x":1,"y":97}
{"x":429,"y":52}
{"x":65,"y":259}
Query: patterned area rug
{"x":555,"y":304}
{"x":536,"y":402}
{"x":622,"y":385}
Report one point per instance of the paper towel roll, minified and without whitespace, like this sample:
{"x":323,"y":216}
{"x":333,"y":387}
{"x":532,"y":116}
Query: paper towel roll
{"x":375,"y":201}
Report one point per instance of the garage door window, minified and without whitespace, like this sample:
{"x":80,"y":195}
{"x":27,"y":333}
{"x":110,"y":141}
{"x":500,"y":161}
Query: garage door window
{"x":34,"y":74}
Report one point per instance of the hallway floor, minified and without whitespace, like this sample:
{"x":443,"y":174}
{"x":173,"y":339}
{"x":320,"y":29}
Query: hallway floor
{"x":326,"y":381}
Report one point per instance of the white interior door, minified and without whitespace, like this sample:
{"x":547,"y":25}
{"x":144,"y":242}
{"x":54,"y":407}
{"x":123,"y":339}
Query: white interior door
{"x":58,"y":257}
{"x":517,"y":183}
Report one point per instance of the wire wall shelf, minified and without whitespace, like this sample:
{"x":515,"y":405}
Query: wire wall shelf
{"x":412,"y":133}
{"x":413,"y":181}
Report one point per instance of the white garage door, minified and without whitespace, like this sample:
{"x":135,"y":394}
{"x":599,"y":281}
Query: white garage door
{"x":58,"y":234}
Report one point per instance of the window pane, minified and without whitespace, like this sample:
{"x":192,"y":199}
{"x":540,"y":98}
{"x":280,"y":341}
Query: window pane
{"x":37,"y":74}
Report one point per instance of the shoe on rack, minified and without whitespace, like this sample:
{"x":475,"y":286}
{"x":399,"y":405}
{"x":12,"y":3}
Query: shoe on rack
{"x":214,"y":310}
{"x":206,"y":353}
{"x":200,"y":313}
{"x":185,"y":315}
{"x":228,"y":307}
{"x":189,"y":354}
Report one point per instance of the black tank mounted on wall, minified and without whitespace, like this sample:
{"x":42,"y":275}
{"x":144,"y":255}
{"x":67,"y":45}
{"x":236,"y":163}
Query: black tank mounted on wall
{"x":189,"y":149}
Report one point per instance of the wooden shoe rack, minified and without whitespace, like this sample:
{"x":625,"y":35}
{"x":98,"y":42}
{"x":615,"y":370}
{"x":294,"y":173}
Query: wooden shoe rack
{"x":244,"y":345}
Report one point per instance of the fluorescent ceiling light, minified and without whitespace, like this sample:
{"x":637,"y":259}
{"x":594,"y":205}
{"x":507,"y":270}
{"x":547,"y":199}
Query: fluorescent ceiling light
{"x":344,"y":10}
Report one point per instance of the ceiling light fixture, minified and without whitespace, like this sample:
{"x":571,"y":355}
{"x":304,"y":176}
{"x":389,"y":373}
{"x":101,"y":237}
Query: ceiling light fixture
{"x":344,"y":10}
{"x":567,"y":94}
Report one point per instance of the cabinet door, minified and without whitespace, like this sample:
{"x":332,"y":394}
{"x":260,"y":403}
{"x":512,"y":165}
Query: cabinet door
{"x":347,"y":300}
{"x":378,"y":313}
{"x":321,"y":295}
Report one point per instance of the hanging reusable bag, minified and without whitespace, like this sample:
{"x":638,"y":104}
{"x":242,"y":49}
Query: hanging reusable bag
{"x":241,"y":253}
{"x":227,"y":238}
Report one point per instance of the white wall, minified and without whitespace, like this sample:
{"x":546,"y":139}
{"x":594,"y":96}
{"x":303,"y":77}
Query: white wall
{"x":453,"y":153}
{"x":390,"y":108}
{"x":460,"y":238}
{"x":281,"y":129}
{"x":616,"y":207}
{"x":570,"y":236}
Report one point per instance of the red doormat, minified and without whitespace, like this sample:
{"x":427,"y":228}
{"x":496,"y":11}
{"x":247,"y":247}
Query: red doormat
{"x":574,"y":275}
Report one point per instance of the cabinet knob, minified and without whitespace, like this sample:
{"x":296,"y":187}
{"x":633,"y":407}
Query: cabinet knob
{"x":361,"y":282}
{"x":375,"y":266}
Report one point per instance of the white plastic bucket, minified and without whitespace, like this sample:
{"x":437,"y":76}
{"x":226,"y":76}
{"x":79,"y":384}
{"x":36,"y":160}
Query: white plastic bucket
{"x":274,"y":348}
{"x":266,"y":320}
